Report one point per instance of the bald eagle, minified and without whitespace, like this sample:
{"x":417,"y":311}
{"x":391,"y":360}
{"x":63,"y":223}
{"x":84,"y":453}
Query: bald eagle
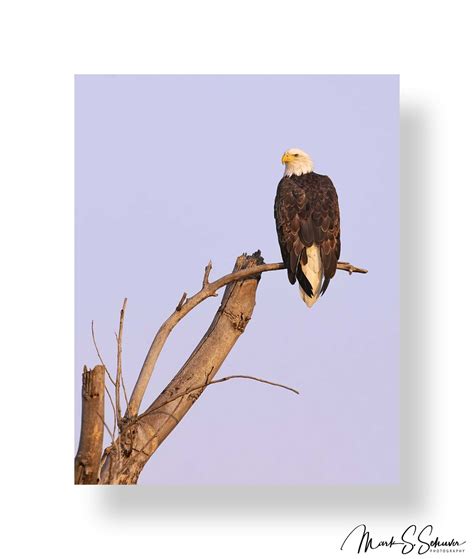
{"x":307,"y":222}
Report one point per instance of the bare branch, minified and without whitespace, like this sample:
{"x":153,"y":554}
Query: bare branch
{"x":178,"y":396}
{"x":182,"y":301}
{"x":107,"y":427}
{"x":99,"y":355}
{"x":110,"y":378}
{"x":350,"y":268}
{"x":185,"y":306}
{"x":118,"y":379}
{"x":113,"y":408}
{"x":224,"y":379}
{"x":207,"y":271}
{"x":124,"y":391}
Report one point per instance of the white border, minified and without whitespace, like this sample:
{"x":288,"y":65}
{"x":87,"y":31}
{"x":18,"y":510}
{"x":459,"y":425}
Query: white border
{"x":43,"y":45}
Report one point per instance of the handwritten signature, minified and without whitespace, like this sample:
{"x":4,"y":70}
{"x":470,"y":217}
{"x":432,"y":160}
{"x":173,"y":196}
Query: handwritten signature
{"x":411,"y":540}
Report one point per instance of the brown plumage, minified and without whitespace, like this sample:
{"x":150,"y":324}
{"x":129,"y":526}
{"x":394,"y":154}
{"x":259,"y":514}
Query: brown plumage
{"x":307,"y":213}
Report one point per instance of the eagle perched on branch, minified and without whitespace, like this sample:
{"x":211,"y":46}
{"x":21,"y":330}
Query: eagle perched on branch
{"x":308,"y":227}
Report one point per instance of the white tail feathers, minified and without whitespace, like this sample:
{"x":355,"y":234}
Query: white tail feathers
{"x":313,"y":270}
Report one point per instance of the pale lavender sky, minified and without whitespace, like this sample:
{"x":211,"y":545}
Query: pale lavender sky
{"x":174,"y":170}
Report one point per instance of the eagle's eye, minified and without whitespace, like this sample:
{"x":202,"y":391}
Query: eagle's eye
{"x":296,"y":154}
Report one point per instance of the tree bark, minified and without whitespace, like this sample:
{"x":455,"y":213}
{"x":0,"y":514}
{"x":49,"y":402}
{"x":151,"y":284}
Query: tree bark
{"x":142,"y":435}
{"x":86,"y":464}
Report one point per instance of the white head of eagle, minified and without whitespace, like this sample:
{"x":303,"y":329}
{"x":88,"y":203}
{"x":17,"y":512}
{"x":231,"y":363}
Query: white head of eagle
{"x":297,"y":162}
{"x":308,"y":225}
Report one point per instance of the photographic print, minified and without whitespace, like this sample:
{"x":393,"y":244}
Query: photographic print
{"x":237,"y":279}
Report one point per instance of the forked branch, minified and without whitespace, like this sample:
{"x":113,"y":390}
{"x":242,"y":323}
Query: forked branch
{"x":186,"y":305}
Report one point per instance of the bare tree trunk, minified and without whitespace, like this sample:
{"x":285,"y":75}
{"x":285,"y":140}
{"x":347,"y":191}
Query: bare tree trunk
{"x":142,"y":435}
{"x":86,"y":464}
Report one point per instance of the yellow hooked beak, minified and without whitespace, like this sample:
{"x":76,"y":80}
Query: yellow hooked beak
{"x":286,"y":158}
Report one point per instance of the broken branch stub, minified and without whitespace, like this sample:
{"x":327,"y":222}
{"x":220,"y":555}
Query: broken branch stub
{"x":86,"y":464}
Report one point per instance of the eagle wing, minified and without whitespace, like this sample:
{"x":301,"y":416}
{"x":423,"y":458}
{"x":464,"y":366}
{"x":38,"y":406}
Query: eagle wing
{"x":306,"y":212}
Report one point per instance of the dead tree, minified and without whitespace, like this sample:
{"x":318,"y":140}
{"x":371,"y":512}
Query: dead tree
{"x":140,"y":434}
